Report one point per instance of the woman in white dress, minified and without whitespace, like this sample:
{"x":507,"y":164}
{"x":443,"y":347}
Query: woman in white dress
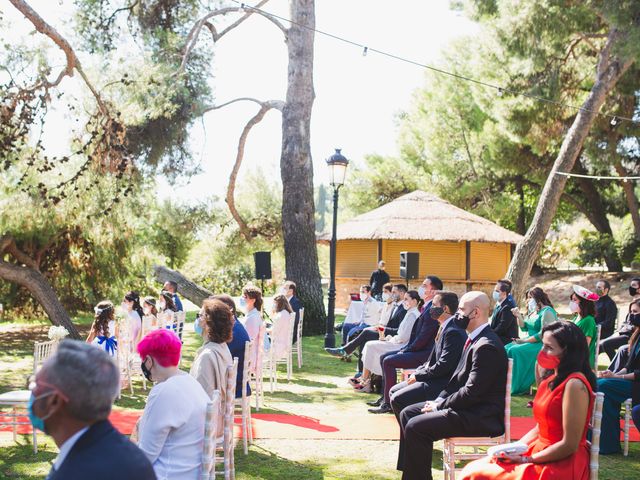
{"x":133,"y":319}
{"x":149,"y":319}
{"x":103,"y":328}
{"x":171,"y":429}
{"x":375,"y":349}
{"x":280,"y":331}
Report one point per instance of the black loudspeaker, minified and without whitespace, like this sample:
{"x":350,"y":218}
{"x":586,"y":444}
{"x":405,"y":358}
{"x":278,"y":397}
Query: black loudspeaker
{"x":262,"y":262}
{"x":409,"y":265}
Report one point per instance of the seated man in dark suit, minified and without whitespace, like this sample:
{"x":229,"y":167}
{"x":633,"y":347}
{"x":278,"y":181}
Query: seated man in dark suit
{"x":430,"y":378}
{"x":290,"y":290}
{"x":372,"y":333}
{"x":472,"y":403}
{"x":503,"y":322}
{"x":417,"y":351}
{"x":71,"y":401}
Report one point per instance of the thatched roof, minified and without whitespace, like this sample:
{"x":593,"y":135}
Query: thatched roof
{"x":421,"y":216}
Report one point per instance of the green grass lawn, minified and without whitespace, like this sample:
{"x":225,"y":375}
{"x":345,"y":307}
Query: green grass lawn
{"x":318,"y":388}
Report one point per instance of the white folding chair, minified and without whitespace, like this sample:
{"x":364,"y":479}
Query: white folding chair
{"x":287,"y":359}
{"x":596,"y":420}
{"x":627,"y":425}
{"x":224,"y":444}
{"x":449,"y":454}
{"x":42,"y":351}
{"x":208,"y":471}
{"x":17,"y":401}
{"x":297,"y":348}
{"x":244,"y":402}
{"x":178,"y":326}
{"x":595,"y":362}
{"x":257,"y":366}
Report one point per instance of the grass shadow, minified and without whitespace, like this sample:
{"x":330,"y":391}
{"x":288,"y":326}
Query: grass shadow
{"x":312,"y":383}
{"x":261,"y":463}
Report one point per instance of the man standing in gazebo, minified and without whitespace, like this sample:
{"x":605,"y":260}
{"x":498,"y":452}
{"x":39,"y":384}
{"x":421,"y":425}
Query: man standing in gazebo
{"x":378,"y":278}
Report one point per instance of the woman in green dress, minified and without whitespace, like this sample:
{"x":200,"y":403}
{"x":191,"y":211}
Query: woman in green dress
{"x":583,"y":304}
{"x":524,"y":351}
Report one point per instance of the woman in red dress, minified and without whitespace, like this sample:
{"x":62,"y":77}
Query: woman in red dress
{"x":562,"y":408}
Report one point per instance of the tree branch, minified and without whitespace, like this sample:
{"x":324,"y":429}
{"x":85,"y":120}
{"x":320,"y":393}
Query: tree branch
{"x":8,"y":245}
{"x":72,"y":60}
{"x":277,"y":104}
{"x":244,"y":228}
{"x":193,"y":34}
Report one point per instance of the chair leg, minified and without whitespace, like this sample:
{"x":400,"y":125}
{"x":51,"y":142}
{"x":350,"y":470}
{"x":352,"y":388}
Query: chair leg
{"x":627,"y":422}
{"x":245,"y":440}
{"x":249,"y":423}
{"x":15,"y":425}
{"x":452,"y":461}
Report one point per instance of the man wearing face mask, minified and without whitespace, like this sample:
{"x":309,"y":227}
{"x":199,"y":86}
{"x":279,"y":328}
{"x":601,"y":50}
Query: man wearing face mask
{"x":431,"y":377}
{"x":622,"y":336}
{"x":473,"y":402}
{"x":503,"y":322}
{"x":606,"y":309}
{"x":421,"y":342}
{"x":71,"y":401}
{"x":369,"y":316}
{"x":378,"y":278}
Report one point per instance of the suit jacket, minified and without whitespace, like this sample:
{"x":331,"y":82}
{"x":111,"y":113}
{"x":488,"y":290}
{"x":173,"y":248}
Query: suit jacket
{"x":102,"y":453}
{"x":296,"y":305}
{"x":503,"y":322}
{"x":377,"y":281}
{"x":423,"y":333}
{"x":477,"y":387}
{"x":394,"y":321}
{"x":236,"y":347}
{"x":606,"y":315}
{"x":633,"y":366}
{"x":444,"y":357}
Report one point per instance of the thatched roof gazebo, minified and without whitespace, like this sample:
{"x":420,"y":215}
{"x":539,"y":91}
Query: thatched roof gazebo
{"x":458,"y":246}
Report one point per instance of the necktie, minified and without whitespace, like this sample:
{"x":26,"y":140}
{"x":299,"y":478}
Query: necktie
{"x":440,"y":333}
{"x":467,"y":343}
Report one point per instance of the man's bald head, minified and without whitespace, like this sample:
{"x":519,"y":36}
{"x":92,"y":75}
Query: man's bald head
{"x":476,"y":305}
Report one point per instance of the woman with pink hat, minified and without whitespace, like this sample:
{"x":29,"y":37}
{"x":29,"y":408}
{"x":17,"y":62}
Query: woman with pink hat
{"x":583,"y":305}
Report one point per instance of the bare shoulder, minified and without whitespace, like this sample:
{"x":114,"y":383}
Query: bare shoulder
{"x":576,"y":386}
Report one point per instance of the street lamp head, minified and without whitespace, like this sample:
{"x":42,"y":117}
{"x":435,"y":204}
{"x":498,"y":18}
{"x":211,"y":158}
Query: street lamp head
{"x":338,"y":165}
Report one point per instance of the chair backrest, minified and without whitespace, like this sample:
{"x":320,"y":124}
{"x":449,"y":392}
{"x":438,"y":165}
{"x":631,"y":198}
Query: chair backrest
{"x":595,"y":361}
{"x":178,"y":326}
{"x":246,"y":367}
{"x":210,"y":429}
{"x":147,"y":326}
{"x":507,"y":403}
{"x":258,"y":346}
{"x":596,"y":420}
{"x":300,"y":322}
{"x":42,"y":351}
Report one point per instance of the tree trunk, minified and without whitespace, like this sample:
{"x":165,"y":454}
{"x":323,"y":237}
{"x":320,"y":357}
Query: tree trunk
{"x":630,"y":196}
{"x":610,"y":69}
{"x":598,"y":215}
{"x":42,"y":291}
{"x":296,"y":169}
{"x":186,"y":288}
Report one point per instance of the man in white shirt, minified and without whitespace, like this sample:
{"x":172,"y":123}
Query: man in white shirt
{"x":369,"y":316}
{"x":71,"y":401}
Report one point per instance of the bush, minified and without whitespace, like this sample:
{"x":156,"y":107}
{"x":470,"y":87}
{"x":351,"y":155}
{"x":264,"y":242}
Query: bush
{"x":593,"y":247}
{"x":627,"y":243}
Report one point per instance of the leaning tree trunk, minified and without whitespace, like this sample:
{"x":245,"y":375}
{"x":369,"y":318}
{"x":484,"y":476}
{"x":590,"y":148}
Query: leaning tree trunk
{"x":296,"y":168}
{"x":610,"y":69}
{"x":186,"y":288}
{"x":630,"y":196}
{"x":42,"y":291}
{"x":597,"y":215}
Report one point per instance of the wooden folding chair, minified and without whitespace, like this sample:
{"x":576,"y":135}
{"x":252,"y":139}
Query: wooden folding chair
{"x":596,"y":420}
{"x":224,"y":444}
{"x":257,"y":366}
{"x":208,"y":471}
{"x":297,"y":348}
{"x":244,"y":402}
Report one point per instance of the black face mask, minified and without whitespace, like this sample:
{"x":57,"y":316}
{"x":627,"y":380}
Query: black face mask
{"x":461,"y":320}
{"x":633,"y":291}
{"x":145,"y":371}
{"x":436,"y":312}
{"x":634,"y":319}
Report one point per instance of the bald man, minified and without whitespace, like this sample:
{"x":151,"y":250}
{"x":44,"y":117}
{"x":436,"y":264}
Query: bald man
{"x":472,"y":403}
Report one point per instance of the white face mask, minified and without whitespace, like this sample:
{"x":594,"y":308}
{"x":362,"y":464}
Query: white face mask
{"x":364,"y":296}
{"x":574,"y":307}
{"x":386,"y":296}
{"x":532,"y":305}
{"x":422,"y":291}
{"x":496,"y":295}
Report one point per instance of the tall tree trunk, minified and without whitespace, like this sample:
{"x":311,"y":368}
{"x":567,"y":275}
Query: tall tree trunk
{"x":630,"y":196}
{"x":610,"y":69}
{"x":41,"y":290}
{"x":296,"y":168}
{"x":598,"y":214}
{"x":186,"y":288}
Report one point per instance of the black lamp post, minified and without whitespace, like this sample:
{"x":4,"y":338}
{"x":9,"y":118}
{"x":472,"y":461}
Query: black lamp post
{"x":338,"y":165}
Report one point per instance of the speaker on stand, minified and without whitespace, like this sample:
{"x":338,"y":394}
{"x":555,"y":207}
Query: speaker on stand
{"x":262,"y":262}
{"x":409,"y":266}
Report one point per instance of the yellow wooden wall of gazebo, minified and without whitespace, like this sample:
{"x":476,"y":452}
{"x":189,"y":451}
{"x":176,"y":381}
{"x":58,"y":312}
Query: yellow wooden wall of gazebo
{"x":462,"y":266}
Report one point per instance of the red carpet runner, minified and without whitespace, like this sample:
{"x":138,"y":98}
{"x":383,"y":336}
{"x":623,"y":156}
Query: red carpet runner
{"x":336,"y":427}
